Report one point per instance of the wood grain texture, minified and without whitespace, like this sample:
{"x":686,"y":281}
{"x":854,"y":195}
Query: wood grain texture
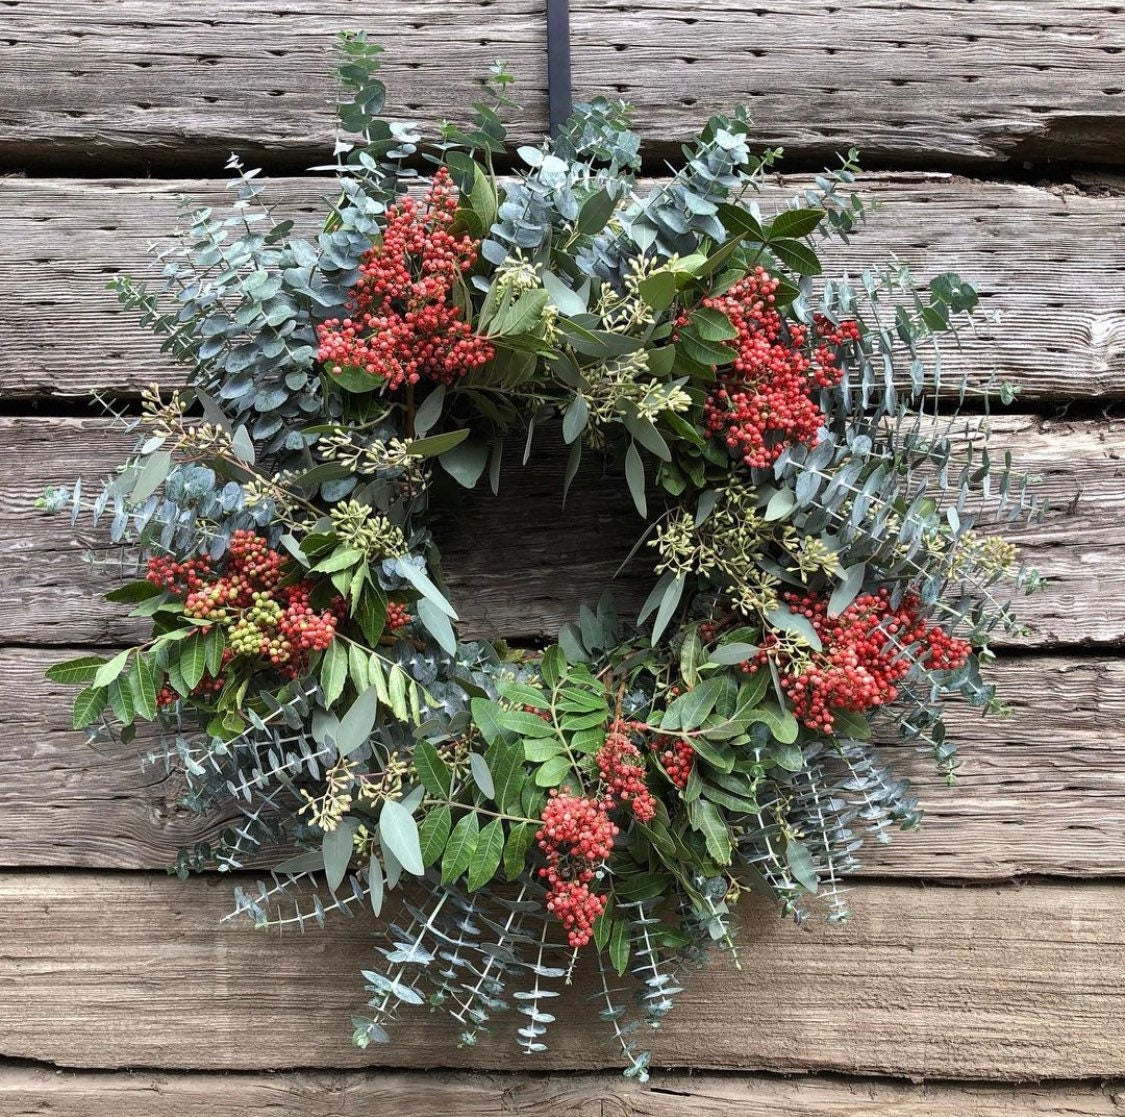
{"x":102,"y":970}
{"x":1050,"y":262}
{"x":153,"y":82}
{"x":1039,"y":792}
{"x":918,"y":83}
{"x":526,"y":585}
{"x":159,"y":83}
{"x":32,"y":1092}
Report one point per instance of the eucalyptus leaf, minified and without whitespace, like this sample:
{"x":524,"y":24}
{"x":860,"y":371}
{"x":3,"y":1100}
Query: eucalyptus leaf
{"x":357,"y":723}
{"x":465,"y":462}
{"x":635,"y":478}
{"x":437,"y":624}
{"x":398,"y":832}
{"x":151,"y":476}
{"x":800,"y":626}
{"x":847,"y":589}
{"x":337,"y":849}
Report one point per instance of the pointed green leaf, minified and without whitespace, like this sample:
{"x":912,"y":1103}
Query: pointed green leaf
{"x":619,"y":946}
{"x":569,"y":302}
{"x":486,"y":856}
{"x":343,"y":558}
{"x":434,"y":773}
{"x":193,"y":661}
{"x":735,"y":652}
{"x":525,"y":724}
{"x":796,"y":223}
{"x":434,"y":833}
{"x":214,"y":643}
{"x":658,"y":290}
{"x":109,"y":671}
{"x":668,"y":605}
{"x":133,"y":593}
{"x":523,"y":694}
{"x":74,"y":672}
{"x":460,"y":848}
{"x":508,"y":775}
{"x":781,"y":723}
{"x":359,"y":670}
{"x":553,"y":772}
{"x":596,"y":210}
{"x":690,"y":710}
{"x":375,"y":884}
{"x":713,"y":325}
{"x":242,"y":445}
{"x":88,"y":706}
{"x":519,"y":842}
{"x":121,"y":700}
{"x":143,"y":679}
{"x":781,"y":504}
{"x":796,"y":255}
{"x":333,"y":671}
{"x":708,"y":820}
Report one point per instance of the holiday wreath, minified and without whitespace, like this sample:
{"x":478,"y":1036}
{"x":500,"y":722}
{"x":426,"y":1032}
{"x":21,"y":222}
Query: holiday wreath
{"x":807,"y":517}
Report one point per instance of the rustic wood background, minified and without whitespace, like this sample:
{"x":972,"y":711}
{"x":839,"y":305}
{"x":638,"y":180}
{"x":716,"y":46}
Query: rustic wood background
{"x":984,"y":971}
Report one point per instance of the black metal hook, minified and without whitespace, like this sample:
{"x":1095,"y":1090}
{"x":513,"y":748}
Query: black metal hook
{"x":558,"y":64}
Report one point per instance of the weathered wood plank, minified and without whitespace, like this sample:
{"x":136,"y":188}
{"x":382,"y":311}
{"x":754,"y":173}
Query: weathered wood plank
{"x":983,"y":983}
{"x":528,"y":585}
{"x":144,"y":82}
{"x":1039,"y":792}
{"x":30,"y":1092}
{"x":915,"y":83}
{"x":1046,"y":260}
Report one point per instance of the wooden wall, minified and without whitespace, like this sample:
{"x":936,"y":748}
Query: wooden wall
{"x":984,"y":970}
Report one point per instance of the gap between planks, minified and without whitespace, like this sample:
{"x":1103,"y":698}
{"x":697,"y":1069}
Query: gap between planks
{"x":28,"y":1091}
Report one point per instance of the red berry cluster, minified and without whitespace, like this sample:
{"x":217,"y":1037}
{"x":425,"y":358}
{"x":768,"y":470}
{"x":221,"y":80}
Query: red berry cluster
{"x":867,"y":650}
{"x":577,"y":834}
{"x":622,"y":769}
{"x":398,"y":616}
{"x":677,"y":758}
{"x":262,"y":618}
{"x":763,"y":401}
{"x":302,"y":628}
{"x":169,"y":574}
{"x":207,"y":686}
{"x":404,"y":325}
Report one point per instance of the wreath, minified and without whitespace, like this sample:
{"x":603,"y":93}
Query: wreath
{"x":808,"y":520}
